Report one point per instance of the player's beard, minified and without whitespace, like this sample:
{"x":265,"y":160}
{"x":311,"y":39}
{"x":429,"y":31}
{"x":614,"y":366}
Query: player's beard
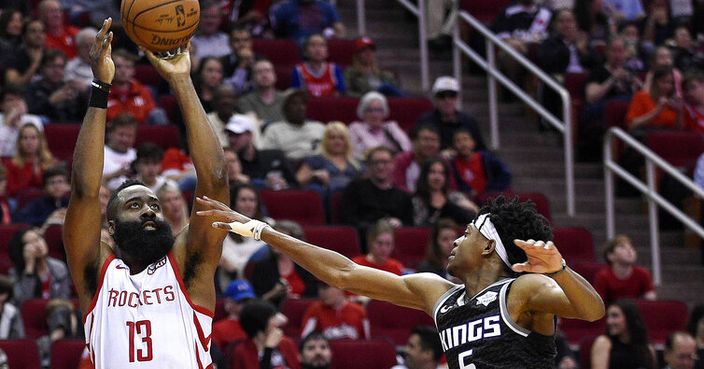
{"x":144,"y":246}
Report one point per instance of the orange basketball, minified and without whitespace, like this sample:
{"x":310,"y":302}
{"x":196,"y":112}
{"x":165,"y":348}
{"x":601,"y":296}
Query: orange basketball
{"x":160,"y":25}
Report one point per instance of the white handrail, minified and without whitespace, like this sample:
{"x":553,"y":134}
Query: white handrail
{"x":361,"y":19}
{"x":489,"y":65}
{"x":649,"y":189}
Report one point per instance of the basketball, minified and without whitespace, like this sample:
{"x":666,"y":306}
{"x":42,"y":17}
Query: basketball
{"x":160,"y":25}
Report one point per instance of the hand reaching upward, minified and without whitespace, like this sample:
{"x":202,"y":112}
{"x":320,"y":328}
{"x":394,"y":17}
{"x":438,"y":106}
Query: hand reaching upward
{"x":100,"y":54}
{"x":178,"y":65}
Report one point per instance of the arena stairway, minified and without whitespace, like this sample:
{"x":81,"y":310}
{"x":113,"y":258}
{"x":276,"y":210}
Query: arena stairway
{"x":535,"y":158}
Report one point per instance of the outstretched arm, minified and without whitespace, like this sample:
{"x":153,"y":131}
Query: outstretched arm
{"x":419,"y":291}
{"x":83,"y":219}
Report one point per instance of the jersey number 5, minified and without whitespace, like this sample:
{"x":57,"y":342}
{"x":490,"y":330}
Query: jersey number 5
{"x":142,"y":329}
{"x":464,"y":365}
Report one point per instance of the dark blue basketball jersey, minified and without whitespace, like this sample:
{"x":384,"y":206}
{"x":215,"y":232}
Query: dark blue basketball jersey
{"x":479,"y":333}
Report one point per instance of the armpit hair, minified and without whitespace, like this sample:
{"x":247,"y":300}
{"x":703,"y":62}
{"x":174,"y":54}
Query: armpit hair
{"x":192,"y":261}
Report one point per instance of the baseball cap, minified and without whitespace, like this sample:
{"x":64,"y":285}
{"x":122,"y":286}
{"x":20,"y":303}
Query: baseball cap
{"x":445,"y":83}
{"x":240,"y":289}
{"x":363,"y":43}
{"x":240,"y":123}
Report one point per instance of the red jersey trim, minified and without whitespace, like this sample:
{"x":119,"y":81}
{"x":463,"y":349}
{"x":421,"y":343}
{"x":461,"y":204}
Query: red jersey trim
{"x":182,"y":286}
{"x":94,"y":300}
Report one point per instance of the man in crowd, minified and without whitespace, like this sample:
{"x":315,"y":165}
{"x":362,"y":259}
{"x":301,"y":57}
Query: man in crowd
{"x":315,"y":352}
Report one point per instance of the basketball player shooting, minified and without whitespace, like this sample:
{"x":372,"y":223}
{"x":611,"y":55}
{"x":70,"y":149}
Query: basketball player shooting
{"x":501,"y":316}
{"x":149,"y":302}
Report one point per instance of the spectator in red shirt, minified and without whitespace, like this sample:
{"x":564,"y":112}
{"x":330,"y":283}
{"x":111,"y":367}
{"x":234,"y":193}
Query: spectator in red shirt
{"x":380,"y":240}
{"x":622,"y":278}
{"x":59,"y":36}
{"x":477,"y":171}
{"x":128,"y":95}
{"x":227,"y":330}
{"x":658,"y":107}
{"x":694,"y":101}
{"x":31,"y":158}
{"x":265,"y":345}
{"x":335,"y":316}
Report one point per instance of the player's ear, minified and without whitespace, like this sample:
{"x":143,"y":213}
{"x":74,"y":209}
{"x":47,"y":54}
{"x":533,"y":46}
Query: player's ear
{"x":489,"y":247}
{"x":111,"y":227}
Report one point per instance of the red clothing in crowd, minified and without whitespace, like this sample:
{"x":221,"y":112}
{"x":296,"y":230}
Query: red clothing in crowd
{"x":611,"y":288}
{"x":65,"y":41}
{"x":642,"y":103}
{"x":136,"y":100}
{"x":694,"y":118}
{"x":391,"y":265}
{"x":348,"y":322}
{"x":21,"y":178}
{"x":246,"y":355}
{"x":472,"y":172}
{"x":226,"y":331}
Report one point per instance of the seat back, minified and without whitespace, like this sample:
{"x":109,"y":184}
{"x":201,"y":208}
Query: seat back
{"x":61,"y":139}
{"x":164,"y":136}
{"x":21,"y":353}
{"x":54,"y":240}
{"x":343,"y":239}
{"x":326,"y":109}
{"x":362,"y":354}
{"x":294,"y":309}
{"x":575,"y":244}
{"x":304,"y":207}
{"x":34,"y":317}
{"x":585,"y":351}
{"x":662,"y":318}
{"x":576,"y":329}
{"x":66,"y":353}
{"x":410,"y":245}
{"x":394,"y":322}
{"x":341,"y":51}
{"x":278,"y":51}
{"x":406,"y":110}
{"x":679,"y":148}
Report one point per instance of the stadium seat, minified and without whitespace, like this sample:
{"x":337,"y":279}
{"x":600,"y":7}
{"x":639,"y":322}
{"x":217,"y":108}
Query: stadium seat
{"x":34,"y":317}
{"x":394,"y":322}
{"x":278,"y":51}
{"x":362,"y":354}
{"x":343,"y":239}
{"x":341,"y":51}
{"x":406,"y":110}
{"x":284,"y":76}
{"x":147,"y":75}
{"x":27,"y":195}
{"x":219,"y":312}
{"x":304,"y":207}
{"x":585,"y":351}
{"x":335,"y":200}
{"x":615,"y":114}
{"x":662,"y":318}
{"x":679,"y":148}
{"x":484,"y":10}
{"x":6,"y":233}
{"x":164,"y":136}
{"x":410,"y":245}
{"x":294,"y":309}
{"x":576,"y":329}
{"x":326,"y":109}
{"x":575,"y":244}
{"x":587,"y":269}
{"x":61,"y":139}
{"x":66,"y":353}
{"x":21,"y":353}
{"x":170,"y":106}
{"x":54,"y":239}
{"x":575,"y":83}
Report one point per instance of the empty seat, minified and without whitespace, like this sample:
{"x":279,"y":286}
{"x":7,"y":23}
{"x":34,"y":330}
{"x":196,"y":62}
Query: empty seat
{"x":34,"y":317}
{"x":575,"y":83}
{"x":410,"y":245}
{"x":662,"y":318}
{"x":341,"y":51}
{"x":343,"y":239}
{"x":66,"y":353}
{"x":164,"y":136}
{"x":394,"y":322}
{"x":362,"y":354}
{"x":21,"y":354}
{"x":576,"y":329}
{"x":304,"y":207}
{"x":406,"y":110}
{"x":278,"y":51}
{"x":294,"y":309}
{"x":681,"y":149}
{"x":61,"y":139}
{"x":54,"y":240}
{"x":575,"y":244}
{"x":484,"y":10}
{"x":326,"y":109}
{"x":219,"y":312}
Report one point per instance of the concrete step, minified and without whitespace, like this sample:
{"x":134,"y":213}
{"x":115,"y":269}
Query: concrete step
{"x":690,"y":292}
{"x":553,"y":169}
{"x":594,"y":222}
{"x":556,"y":187}
{"x":594,"y":204}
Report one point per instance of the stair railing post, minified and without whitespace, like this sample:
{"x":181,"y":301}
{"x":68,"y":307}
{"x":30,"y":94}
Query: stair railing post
{"x":361,"y":19}
{"x":609,"y":185}
{"x":493,"y":107}
{"x":457,"y":61}
{"x":423,"y":43}
{"x":653,"y":222}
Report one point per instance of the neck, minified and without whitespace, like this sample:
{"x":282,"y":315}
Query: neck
{"x":121,"y":84}
{"x":622,"y":271}
{"x":248,"y":152}
{"x":383,"y":184}
{"x":259,"y":341}
{"x":489,"y":272}
{"x":134,"y":265}
{"x":316,"y":65}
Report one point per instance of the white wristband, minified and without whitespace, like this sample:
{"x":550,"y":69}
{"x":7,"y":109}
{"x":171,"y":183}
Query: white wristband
{"x":253,"y":228}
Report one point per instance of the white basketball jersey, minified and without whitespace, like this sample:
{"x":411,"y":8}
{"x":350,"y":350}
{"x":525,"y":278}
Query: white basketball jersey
{"x":146,"y":320}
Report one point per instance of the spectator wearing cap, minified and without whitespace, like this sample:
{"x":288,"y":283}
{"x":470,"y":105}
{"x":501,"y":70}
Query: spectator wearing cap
{"x":267,"y":168}
{"x":296,"y":136}
{"x":224,"y":107}
{"x":265,"y":100}
{"x":364,"y":75}
{"x":147,"y":165}
{"x":13,"y":115}
{"x":128,"y":95}
{"x":298,"y":19}
{"x":316,"y":75}
{"x":373,"y":129}
{"x":446,"y":117}
{"x":227,"y":330}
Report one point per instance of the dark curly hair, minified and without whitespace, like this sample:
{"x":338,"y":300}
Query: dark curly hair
{"x":111,"y":210}
{"x":255,"y":316}
{"x":516,"y":220}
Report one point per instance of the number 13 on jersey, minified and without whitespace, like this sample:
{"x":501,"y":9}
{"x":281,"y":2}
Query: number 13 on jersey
{"x":141,"y":329}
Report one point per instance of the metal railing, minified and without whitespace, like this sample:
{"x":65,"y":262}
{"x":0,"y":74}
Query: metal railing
{"x":649,"y":189}
{"x":422,"y":34}
{"x":494,"y":74}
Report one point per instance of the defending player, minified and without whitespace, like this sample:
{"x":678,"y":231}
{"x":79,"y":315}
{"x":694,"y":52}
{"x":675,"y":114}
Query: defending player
{"x":149,"y":302}
{"x":496,"y":318}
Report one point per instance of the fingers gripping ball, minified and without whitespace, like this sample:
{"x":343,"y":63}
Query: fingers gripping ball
{"x":160,"y":26}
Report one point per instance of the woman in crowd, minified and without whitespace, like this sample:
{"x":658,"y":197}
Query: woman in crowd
{"x":433,"y":199}
{"x":316,"y":75}
{"x":364,"y":75}
{"x":173,"y":207}
{"x":440,"y":245}
{"x":209,"y":77}
{"x":657,"y":107}
{"x":32,"y":158}
{"x":334,"y":167}
{"x":373,"y":129}
{"x":10,"y":31}
{"x":662,"y":57}
{"x":625,"y":344}
{"x":380,"y":241}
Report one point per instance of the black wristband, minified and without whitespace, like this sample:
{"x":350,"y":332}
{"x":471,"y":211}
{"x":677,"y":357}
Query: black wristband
{"x":101,"y":85}
{"x":98,"y":97}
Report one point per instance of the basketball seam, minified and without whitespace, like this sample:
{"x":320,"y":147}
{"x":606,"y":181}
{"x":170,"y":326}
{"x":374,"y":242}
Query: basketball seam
{"x":154,"y":7}
{"x":127,"y":17}
{"x":160,"y":30}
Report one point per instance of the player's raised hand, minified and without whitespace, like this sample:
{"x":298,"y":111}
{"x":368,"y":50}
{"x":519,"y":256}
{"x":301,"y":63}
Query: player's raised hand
{"x":542,"y":257}
{"x":100,"y":54}
{"x":173,"y":66}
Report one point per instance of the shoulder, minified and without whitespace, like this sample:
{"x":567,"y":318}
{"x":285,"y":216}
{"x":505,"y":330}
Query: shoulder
{"x":531,"y":284}
{"x":601,"y":344}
